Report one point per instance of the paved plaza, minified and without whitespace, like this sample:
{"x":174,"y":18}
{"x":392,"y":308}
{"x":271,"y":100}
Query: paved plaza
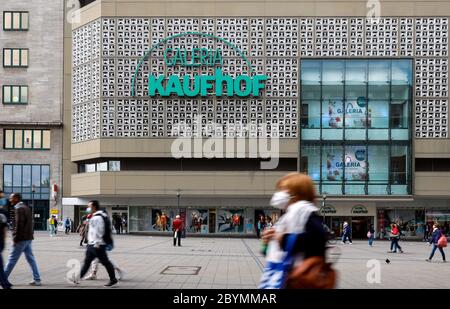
{"x":224,"y":263}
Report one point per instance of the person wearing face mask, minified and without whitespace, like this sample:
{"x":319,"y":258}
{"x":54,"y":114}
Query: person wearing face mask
{"x":295,"y":246}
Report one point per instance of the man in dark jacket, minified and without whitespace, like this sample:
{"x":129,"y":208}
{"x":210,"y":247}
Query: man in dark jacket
{"x":3,"y":231}
{"x":22,"y":238}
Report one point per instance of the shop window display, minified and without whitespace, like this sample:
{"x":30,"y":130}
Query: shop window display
{"x":230,"y":221}
{"x":197,"y":221}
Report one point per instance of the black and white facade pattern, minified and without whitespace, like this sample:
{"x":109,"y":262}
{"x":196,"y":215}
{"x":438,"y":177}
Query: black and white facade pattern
{"x":107,"y":51}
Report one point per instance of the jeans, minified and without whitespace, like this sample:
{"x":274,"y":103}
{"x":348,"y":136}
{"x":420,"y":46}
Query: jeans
{"x":52,"y":230}
{"x":434,"y":250}
{"x":371,"y":239}
{"x":3,"y":280}
{"x":345,"y":236}
{"x":91,"y":254}
{"x":16,"y":251}
{"x":395,"y":245}
{"x":178,"y":237}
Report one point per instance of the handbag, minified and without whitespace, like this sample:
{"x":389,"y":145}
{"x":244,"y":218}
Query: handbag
{"x":312,"y":273}
{"x":369,"y":234}
{"x":442,"y":242}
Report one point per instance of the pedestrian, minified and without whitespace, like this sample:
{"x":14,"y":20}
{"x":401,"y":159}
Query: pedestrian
{"x":371,"y":235}
{"x":3,"y":232}
{"x":67,"y":225}
{"x":51,"y":226}
{"x":346,"y":233}
{"x":177,"y":226}
{"x":118,"y":224}
{"x":426,"y":232}
{"x":437,"y":234}
{"x":82,"y":230}
{"x":259,"y":226}
{"x":99,"y":239}
{"x":55,"y":223}
{"x":22,"y":239}
{"x":295,"y":246}
{"x":395,"y":237}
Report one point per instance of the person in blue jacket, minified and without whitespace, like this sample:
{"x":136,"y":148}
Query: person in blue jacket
{"x":434,"y":241}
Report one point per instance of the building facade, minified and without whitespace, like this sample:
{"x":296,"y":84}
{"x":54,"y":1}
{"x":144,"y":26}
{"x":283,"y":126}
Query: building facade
{"x":359,"y":104}
{"x":31,"y":40}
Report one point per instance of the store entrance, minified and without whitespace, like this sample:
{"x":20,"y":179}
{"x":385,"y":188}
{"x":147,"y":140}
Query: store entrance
{"x":360,"y":226}
{"x":212,"y":221}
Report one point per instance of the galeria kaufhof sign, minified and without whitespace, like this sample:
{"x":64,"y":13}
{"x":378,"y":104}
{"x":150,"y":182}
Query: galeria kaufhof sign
{"x":194,"y":85}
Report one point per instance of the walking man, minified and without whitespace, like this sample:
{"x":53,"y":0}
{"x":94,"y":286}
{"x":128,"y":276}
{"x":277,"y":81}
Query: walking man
{"x":3,"y":232}
{"x":347,"y":233}
{"x":67,"y":225}
{"x":437,"y":233}
{"x":99,"y":237}
{"x":22,"y":239}
{"x":177,"y":225}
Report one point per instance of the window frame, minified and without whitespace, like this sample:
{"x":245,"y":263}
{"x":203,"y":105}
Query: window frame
{"x":21,"y":50}
{"x":23,"y":139}
{"x":40,"y":190}
{"x":21,"y":19}
{"x":11,"y":87}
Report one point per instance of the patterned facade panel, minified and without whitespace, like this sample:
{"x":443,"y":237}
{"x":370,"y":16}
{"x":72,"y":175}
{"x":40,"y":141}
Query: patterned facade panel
{"x":274,"y":46}
{"x":382,"y":37}
{"x":431,"y":118}
{"x":332,"y":37}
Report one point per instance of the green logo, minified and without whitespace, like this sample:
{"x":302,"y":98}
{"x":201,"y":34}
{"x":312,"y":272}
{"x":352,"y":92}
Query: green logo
{"x":199,"y":85}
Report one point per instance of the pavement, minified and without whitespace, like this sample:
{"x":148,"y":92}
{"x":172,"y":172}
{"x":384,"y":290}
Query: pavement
{"x":152,"y":262}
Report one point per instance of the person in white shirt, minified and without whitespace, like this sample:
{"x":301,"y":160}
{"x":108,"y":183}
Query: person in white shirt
{"x":96,"y":243}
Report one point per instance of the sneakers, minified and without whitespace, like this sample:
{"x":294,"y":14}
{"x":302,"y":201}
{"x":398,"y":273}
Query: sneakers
{"x":119,"y":274}
{"x":110,"y":284}
{"x":35,"y":283}
{"x":92,"y":276}
{"x":428,"y":260}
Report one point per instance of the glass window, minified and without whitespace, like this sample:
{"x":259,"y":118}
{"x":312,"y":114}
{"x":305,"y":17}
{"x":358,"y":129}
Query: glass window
{"x":26,"y":175}
{"x":24,"y":57}
{"x":9,"y":139}
{"x":23,"y":94}
{"x":17,"y":176}
{"x":7,"y":176}
{"x":355,"y":113}
{"x":333,"y":79}
{"x":356,"y":79}
{"x":399,"y":164}
{"x":332,"y":114}
{"x":36,"y":175}
{"x":377,"y":168}
{"x":332,"y":163}
{"x":46,"y":139}
{"x":114,"y":166}
{"x":7,"y":56}
{"x":15,"y":57}
{"x":311,"y":79}
{"x":28,"y":139}
{"x":37,"y":143}
{"x":355,"y":163}
{"x":102,"y":167}
{"x":18,"y":139}
{"x":310,"y":161}
{"x":90,"y":168}
{"x":15,"y":94}
{"x":15,"y":21}
{"x":7,"y":94}
{"x":379,"y":79}
{"x":45,"y":176}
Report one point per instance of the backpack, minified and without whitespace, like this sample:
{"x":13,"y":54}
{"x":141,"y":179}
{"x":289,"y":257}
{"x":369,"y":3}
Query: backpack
{"x":107,"y":237}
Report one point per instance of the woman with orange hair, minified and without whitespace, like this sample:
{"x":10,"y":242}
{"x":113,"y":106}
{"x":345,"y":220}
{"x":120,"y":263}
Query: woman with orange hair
{"x":295,"y":247}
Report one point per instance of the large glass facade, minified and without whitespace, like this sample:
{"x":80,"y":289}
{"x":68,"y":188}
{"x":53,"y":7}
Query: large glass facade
{"x":355,"y":125}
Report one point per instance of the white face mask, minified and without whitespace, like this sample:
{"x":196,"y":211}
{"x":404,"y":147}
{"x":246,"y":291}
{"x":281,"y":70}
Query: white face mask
{"x":280,"y":199}
{"x":89,"y":209}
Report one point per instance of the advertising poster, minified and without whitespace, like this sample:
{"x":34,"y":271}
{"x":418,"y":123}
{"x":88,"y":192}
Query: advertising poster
{"x":354,"y":162}
{"x":197,"y":220}
{"x":354,"y":111}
